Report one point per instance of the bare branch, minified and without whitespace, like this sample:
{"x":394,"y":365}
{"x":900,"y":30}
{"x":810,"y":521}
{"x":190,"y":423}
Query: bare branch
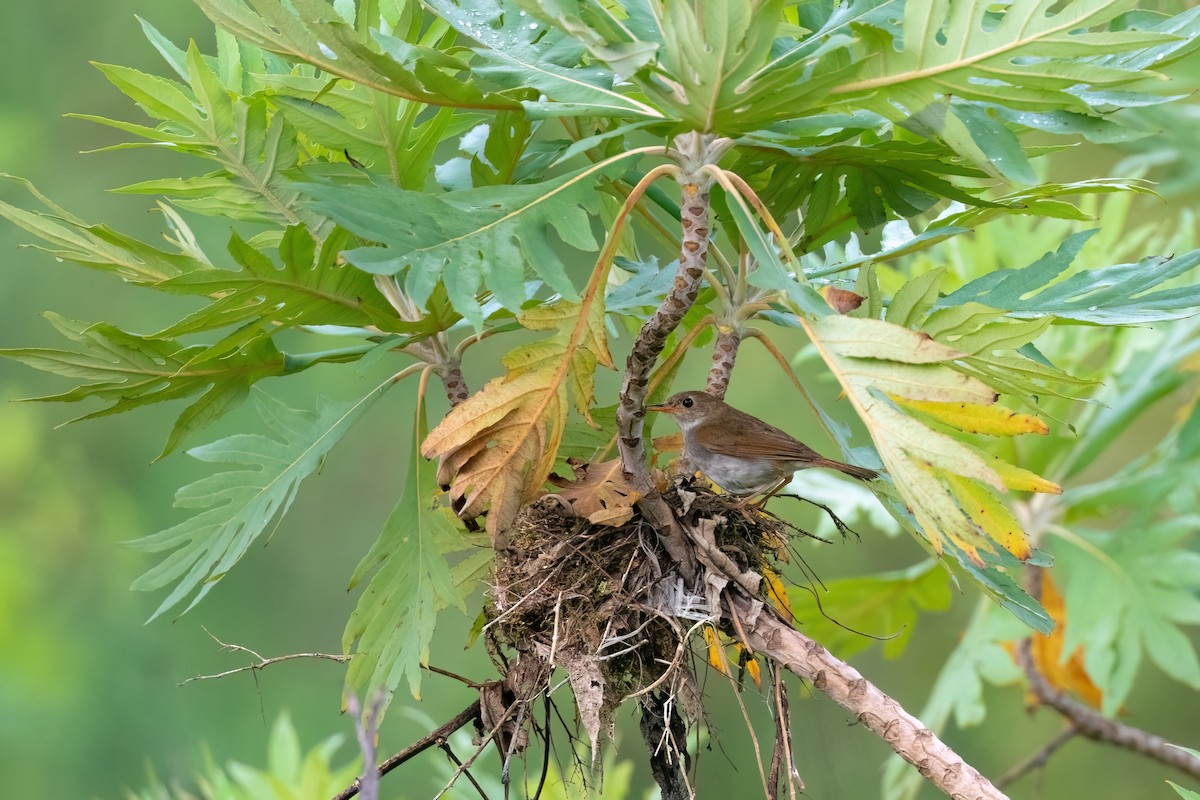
{"x":438,"y":736}
{"x":693,"y":151}
{"x":262,"y":663}
{"x":1038,"y":759}
{"x":1086,"y":720}
{"x":915,"y":743}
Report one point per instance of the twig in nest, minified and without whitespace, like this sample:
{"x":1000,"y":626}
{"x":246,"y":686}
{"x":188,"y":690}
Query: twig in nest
{"x":842,"y":527}
{"x":782,"y":756}
{"x":449,"y":751}
{"x":263,"y":663}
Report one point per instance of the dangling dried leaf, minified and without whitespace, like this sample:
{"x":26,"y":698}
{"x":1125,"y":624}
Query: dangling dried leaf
{"x":497,"y":448}
{"x":599,"y":492}
{"x":1068,"y":675}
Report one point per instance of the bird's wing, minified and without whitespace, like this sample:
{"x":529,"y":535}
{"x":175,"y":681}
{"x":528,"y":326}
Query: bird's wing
{"x":748,"y":437}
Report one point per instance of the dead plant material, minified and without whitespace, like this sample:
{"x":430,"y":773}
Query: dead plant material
{"x":608,"y":605}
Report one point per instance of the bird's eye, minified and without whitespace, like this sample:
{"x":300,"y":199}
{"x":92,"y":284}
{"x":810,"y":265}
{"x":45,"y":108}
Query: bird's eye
{"x":688,"y":402}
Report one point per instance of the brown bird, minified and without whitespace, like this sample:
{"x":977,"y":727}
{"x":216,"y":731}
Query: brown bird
{"x":740,"y":453}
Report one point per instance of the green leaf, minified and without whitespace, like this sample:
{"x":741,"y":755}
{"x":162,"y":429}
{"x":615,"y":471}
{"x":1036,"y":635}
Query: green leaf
{"x":233,"y":508}
{"x":313,"y":32}
{"x":1127,"y":594}
{"x":206,"y":118}
{"x":131,"y":371}
{"x":1152,"y":374}
{"x":1037,"y":55}
{"x":518,"y":54}
{"x":391,"y":628}
{"x":848,"y":616}
{"x":377,"y":129}
{"x":69,"y":238}
{"x":1116,"y":295}
{"x":310,"y":288}
{"x":1186,"y":794}
{"x":489,"y":234}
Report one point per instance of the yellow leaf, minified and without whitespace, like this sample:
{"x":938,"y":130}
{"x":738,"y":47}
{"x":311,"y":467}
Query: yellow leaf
{"x":497,"y":448}
{"x":777,"y":594}
{"x":1020,"y":480}
{"x":886,"y":371}
{"x":599,"y":492}
{"x":975,"y":418}
{"x":1069,"y":675}
{"x":748,"y":663}
{"x":716,"y":652}
{"x":990,"y":515}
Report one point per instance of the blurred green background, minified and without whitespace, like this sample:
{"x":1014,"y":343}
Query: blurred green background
{"x":89,"y":696}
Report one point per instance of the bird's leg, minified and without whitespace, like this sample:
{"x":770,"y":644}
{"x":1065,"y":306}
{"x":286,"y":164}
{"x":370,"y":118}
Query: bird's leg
{"x":744,"y":505}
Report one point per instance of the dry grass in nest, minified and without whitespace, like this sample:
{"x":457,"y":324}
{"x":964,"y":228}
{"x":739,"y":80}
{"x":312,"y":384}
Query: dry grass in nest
{"x":607,"y":604}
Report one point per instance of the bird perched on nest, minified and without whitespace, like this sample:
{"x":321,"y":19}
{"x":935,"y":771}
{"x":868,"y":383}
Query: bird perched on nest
{"x":741,"y":453}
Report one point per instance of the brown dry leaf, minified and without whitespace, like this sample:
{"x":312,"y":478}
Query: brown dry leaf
{"x":498,"y":447}
{"x":598,"y":492}
{"x":841,"y":300}
{"x":1069,"y":676}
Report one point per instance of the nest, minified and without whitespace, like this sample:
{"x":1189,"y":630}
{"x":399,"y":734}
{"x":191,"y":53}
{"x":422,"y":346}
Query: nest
{"x":610,"y":607}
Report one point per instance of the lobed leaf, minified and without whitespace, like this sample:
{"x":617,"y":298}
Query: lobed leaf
{"x":489,"y":234}
{"x":310,"y":287}
{"x":1116,"y":295}
{"x":392,"y":625}
{"x":130,"y":371}
{"x":233,"y":508}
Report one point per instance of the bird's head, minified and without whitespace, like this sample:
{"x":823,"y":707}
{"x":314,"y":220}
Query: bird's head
{"x":689,"y":408}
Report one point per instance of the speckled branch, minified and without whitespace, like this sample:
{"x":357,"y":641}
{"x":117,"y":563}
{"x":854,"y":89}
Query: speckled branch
{"x":725,"y":351}
{"x":453,"y":381}
{"x":903,"y":732}
{"x":1089,"y":722}
{"x":693,"y":151}
{"x":632,"y":407}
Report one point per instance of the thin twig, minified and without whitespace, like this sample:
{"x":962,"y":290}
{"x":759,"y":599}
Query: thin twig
{"x":483,"y":743}
{"x":1089,"y":722}
{"x":1038,"y":759}
{"x":447,"y":673}
{"x":468,"y":714}
{"x":445,"y":747}
{"x":263,"y":663}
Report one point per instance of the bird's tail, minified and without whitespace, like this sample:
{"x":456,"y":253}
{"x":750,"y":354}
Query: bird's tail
{"x":862,"y":473}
